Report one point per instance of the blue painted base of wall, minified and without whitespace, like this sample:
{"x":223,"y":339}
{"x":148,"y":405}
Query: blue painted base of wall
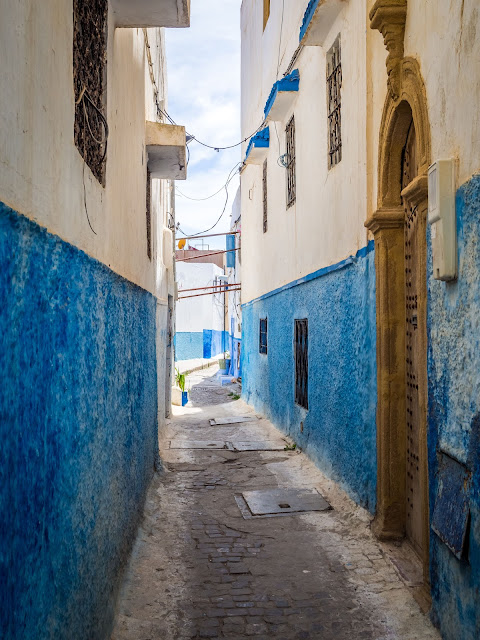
{"x":214,"y":342}
{"x":200,"y":344}
{"x":339,"y":429}
{"x":78,"y":432}
{"x":454,"y":416}
{"x":188,"y":345}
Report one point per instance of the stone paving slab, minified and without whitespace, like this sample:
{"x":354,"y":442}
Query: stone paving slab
{"x":199,"y":570}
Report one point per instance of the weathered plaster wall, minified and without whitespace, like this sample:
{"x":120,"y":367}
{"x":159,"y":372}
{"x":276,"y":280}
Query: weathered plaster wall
{"x":78,"y":427}
{"x":454,"y":416}
{"x":339,"y":427}
{"x":41,"y":171}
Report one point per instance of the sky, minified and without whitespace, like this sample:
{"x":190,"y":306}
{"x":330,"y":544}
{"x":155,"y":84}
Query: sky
{"x":204,"y":95}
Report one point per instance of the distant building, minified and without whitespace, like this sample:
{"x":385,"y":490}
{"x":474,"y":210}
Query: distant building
{"x":201,"y":256}
{"x":87,"y":168}
{"x":360,"y":266}
{"x":200,"y":311}
{"x":234,"y":273}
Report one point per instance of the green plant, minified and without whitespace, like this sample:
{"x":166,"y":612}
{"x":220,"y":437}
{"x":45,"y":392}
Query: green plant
{"x":235,"y":396}
{"x":290,"y":447}
{"x":180,"y":380}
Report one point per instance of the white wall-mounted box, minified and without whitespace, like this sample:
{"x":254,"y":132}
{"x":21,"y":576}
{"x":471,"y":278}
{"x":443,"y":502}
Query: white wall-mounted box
{"x":442,"y":218}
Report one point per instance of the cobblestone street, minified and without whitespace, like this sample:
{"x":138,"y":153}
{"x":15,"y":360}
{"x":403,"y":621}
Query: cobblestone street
{"x":201,"y":570}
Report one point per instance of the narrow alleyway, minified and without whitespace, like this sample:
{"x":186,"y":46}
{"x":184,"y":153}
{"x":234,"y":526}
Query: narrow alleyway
{"x":200,"y":569}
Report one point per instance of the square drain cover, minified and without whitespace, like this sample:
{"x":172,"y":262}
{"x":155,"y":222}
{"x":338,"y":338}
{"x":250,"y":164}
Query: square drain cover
{"x":276,"y":501}
{"x":198,"y":444}
{"x":258,"y":446}
{"x":216,"y":422}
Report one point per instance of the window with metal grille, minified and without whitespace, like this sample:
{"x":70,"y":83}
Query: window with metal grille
{"x":90,"y":30}
{"x":265,"y":198}
{"x":290,"y":162}
{"x":263,"y":335}
{"x":301,"y":363}
{"x":149,"y":215}
{"x":266,"y":12}
{"x":334,"y":85}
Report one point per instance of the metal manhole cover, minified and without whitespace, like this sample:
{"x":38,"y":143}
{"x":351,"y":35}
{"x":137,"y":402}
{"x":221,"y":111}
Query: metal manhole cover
{"x":280,"y":501}
{"x":198,"y":444}
{"x":258,"y":446}
{"x":216,"y":422}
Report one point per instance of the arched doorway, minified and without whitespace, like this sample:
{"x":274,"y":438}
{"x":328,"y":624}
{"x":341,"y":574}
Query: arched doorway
{"x":399,"y":228}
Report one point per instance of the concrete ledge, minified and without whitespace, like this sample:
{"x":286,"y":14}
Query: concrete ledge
{"x":151,"y":13}
{"x":318,"y":20}
{"x":166,"y":148}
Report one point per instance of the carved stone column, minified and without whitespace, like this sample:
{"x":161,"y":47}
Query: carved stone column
{"x":388,"y":16}
{"x":387,"y":225}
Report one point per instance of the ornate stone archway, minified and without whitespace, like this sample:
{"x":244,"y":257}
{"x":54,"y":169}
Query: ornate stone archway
{"x":405,"y":103}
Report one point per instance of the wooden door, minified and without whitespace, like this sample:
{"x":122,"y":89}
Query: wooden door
{"x":415,"y":330}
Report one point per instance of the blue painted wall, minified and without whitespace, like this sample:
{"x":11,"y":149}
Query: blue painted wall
{"x":200,"y":344}
{"x":188,"y":345}
{"x":454,"y":416}
{"x":339,"y":427}
{"x":214,"y":342}
{"x":78,"y":432}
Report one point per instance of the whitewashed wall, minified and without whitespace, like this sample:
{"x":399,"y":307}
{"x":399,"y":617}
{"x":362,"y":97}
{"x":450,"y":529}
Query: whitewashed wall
{"x":47,"y":184}
{"x":203,"y":312}
{"x":326,"y":224}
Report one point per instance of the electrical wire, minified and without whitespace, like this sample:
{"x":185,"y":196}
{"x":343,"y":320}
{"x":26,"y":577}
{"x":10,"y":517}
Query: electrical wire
{"x":229,"y":179}
{"x":163,"y":113}
{"x":213,"y":194}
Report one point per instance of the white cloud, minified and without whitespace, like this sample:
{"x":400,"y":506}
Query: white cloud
{"x":204,"y":95}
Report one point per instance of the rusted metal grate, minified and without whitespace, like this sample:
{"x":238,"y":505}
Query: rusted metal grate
{"x":301,"y":363}
{"x":334,"y":85}
{"x":265,"y":198}
{"x":290,"y":163}
{"x":263,"y":336}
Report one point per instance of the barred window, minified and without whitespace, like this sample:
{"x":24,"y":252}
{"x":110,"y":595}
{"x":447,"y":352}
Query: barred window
{"x":90,"y":30}
{"x":290,"y":163}
{"x":334,"y":85}
{"x":301,"y":363}
{"x":266,"y":12}
{"x":263,"y":336}
{"x":265,"y":198}
{"x":149,"y":215}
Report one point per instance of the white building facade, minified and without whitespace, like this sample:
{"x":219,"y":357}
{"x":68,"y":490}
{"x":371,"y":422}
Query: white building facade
{"x":234,"y":273}
{"x":87,"y":287}
{"x":200,"y":312}
{"x":350,"y":304}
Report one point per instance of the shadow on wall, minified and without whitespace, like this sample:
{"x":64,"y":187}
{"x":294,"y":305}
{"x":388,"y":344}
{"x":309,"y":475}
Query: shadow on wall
{"x":78,"y":426}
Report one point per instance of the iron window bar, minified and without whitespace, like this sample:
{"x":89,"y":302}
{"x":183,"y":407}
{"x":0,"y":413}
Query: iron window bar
{"x":263,"y":342}
{"x":334,"y":85}
{"x":265,"y":198}
{"x":301,"y":363}
{"x":290,"y":162}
